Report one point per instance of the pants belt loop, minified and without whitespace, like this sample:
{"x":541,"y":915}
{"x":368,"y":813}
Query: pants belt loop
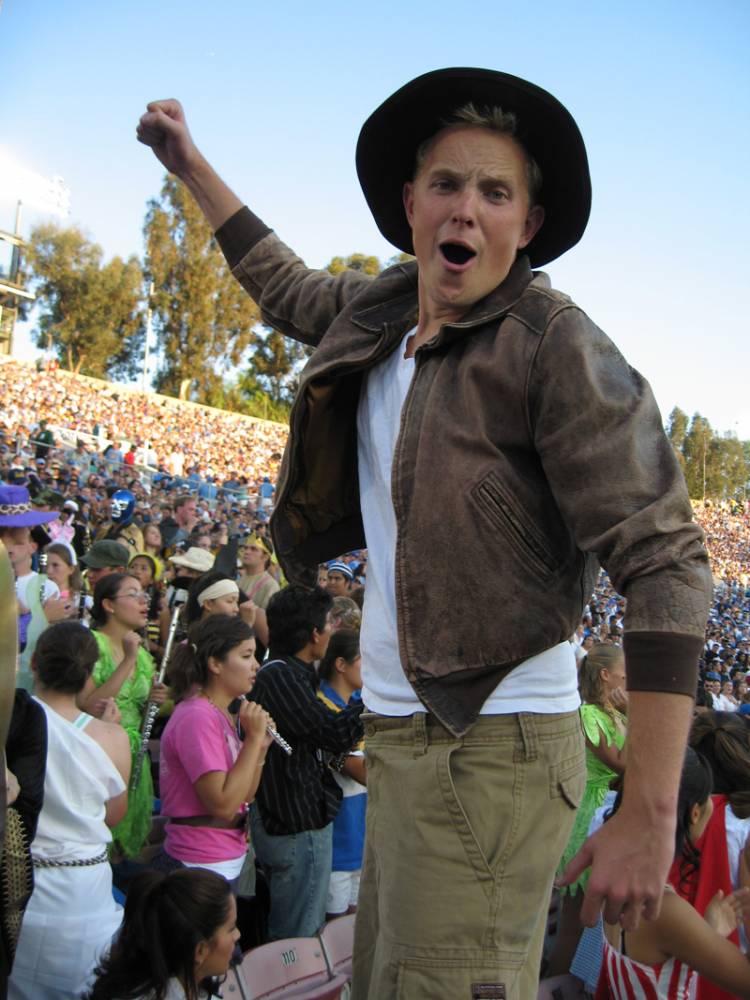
{"x":528,"y":736}
{"x":420,"y":733}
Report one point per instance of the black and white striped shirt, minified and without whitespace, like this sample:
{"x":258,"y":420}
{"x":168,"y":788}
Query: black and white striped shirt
{"x":298,"y":791}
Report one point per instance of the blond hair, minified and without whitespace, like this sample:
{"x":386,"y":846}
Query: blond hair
{"x":494,"y":119}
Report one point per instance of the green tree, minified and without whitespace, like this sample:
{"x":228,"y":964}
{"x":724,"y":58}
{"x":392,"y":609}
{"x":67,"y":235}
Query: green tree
{"x":698,"y":456}
{"x":90,"y":313}
{"x":204,"y":321}
{"x":677,"y":426}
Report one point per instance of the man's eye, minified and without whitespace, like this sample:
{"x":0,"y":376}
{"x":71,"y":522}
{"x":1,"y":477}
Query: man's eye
{"x":497,"y":194}
{"x":444,"y":185}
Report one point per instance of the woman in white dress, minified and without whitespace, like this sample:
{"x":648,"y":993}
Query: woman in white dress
{"x":72,"y":915}
{"x":178,"y":934}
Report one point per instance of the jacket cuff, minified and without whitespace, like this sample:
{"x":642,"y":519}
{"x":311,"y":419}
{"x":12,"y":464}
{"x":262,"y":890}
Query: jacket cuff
{"x":239,"y":234}
{"x":662,"y":661}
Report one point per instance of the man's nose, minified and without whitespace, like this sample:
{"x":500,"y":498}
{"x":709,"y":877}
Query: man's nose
{"x":465,"y":206}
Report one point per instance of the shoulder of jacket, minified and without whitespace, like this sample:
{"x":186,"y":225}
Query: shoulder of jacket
{"x":540,"y":304}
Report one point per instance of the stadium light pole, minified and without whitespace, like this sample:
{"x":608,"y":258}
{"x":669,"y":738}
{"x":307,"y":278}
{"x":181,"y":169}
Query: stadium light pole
{"x":149,"y":327}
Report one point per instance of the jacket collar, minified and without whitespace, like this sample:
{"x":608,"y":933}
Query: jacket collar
{"x":403,"y":301}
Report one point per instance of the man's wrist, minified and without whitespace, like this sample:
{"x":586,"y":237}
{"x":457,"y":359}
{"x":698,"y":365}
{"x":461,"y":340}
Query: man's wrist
{"x":195,"y":173}
{"x":651,"y":806}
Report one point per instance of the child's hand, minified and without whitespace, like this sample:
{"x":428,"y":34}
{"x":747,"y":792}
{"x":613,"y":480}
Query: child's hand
{"x":725,"y":914}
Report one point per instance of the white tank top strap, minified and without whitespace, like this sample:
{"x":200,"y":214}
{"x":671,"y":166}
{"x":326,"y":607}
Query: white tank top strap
{"x":82,"y":721}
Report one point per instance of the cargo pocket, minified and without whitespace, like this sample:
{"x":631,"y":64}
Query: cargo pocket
{"x":477,"y":976}
{"x":567,"y":780}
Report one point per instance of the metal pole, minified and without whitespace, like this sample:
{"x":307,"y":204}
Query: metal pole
{"x":148,"y":337}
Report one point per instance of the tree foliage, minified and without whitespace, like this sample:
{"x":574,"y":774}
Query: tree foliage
{"x":203,"y":319}
{"x":90,"y":313}
{"x":715,"y":465}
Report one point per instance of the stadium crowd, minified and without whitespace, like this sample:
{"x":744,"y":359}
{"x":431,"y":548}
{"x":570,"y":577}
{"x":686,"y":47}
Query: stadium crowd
{"x":118,"y":558}
{"x":149,"y":431}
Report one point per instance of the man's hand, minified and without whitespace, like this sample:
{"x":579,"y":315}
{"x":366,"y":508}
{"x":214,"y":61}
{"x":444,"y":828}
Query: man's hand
{"x":630,"y":858}
{"x":163,"y":127}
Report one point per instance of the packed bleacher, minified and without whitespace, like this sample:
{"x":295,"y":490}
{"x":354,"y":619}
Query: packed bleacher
{"x":137,"y":528}
{"x":172,"y":435}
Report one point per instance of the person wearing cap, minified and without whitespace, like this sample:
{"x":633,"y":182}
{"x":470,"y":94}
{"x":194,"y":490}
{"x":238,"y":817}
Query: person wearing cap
{"x":255,"y":555}
{"x":445,"y":383}
{"x":39,"y":600}
{"x":105,"y":557}
{"x":189,"y":566}
{"x":44,"y":440}
{"x":194,"y":562}
{"x":339,"y":580}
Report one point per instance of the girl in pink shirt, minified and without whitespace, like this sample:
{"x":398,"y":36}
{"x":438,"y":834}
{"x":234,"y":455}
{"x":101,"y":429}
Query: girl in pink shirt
{"x":208,"y":776}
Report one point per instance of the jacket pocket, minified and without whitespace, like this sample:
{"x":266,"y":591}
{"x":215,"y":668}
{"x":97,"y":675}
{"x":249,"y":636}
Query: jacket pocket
{"x":496,"y":502}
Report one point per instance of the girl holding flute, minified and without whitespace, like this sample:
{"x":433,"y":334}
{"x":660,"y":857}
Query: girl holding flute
{"x":208,"y":776}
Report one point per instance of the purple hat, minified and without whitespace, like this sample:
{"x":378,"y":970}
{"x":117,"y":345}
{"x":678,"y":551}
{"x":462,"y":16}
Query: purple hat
{"x":16,"y":510}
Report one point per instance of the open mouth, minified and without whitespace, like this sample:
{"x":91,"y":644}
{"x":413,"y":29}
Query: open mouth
{"x":457,"y":253}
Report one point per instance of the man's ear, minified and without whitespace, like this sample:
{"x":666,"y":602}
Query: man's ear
{"x":533,"y":224}
{"x":408,"y":198}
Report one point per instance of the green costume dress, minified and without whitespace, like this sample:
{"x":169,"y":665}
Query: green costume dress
{"x":596,"y":723}
{"x":132,"y":831}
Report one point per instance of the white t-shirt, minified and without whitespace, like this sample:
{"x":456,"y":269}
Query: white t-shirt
{"x":50,"y":589}
{"x":545,"y":683}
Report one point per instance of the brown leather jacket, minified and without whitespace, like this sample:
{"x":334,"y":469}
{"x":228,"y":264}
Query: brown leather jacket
{"x":530,"y":452}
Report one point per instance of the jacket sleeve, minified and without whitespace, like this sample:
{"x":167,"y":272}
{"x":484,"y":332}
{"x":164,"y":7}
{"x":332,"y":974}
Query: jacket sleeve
{"x":620,"y":489}
{"x":300,"y":302}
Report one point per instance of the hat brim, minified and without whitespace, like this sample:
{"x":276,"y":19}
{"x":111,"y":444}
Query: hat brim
{"x":390,"y":137}
{"x":28,"y":520}
{"x":187,"y":564}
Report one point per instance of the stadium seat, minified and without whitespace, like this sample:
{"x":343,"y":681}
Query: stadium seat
{"x":293,"y":969}
{"x":337,"y":939}
{"x":561,"y":988}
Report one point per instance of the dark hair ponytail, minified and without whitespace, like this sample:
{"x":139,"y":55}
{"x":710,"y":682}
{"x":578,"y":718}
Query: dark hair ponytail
{"x":64,"y":657}
{"x":344,"y":644}
{"x":215,"y":636}
{"x":166,"y":918}
{"x":724,"y":739}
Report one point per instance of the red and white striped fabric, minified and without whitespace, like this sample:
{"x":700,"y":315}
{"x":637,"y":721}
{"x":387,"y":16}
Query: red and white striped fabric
{"x":626,"y":979}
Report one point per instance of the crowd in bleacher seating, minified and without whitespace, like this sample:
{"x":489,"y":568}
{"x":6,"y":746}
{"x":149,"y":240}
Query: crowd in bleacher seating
{"x":178,"y":535}
{"x":171,"y":435}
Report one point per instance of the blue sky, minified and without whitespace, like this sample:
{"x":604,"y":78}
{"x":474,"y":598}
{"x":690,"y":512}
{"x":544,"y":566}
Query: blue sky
{"x":275,"y":95}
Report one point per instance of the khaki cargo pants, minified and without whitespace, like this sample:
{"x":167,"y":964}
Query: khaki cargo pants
{"x":463,"y":839}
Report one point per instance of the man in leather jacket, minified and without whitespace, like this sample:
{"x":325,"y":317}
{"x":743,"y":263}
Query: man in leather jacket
{"x":436,"y":412}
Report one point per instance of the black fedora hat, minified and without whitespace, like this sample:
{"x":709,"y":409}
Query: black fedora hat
{"x":390,"y":137}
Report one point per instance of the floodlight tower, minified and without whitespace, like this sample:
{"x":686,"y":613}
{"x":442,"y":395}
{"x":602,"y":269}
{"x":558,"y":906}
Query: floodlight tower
{"x":50,"y":196}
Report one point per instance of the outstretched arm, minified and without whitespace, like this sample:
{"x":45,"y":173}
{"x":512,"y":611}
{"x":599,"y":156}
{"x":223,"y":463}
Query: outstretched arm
{"x":163,"y":127}
{"x":300,"y":302}
{"x":631,"y":854}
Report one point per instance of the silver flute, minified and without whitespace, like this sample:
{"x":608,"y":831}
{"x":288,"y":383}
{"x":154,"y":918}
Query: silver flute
{"x":152,"y":708}
{"x":276,"y":737}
